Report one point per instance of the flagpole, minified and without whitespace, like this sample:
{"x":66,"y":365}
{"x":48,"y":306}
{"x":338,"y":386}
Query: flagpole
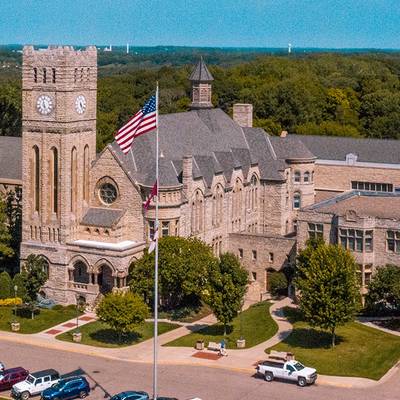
{"x":155,"y":341}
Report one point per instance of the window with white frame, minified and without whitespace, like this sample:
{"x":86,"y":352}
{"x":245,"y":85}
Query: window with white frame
{"x":296,"y":200}
{"x":356,"y":239}
{"x":306,"y":177}
{"x":297,"y":176}
{"x":165,"y":228}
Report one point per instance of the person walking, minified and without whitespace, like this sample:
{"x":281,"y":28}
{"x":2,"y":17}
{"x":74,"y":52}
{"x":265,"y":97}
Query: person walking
{"x":222,"y":351}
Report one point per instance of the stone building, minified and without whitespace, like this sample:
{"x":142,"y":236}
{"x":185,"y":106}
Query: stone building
{"x":221,"y":180}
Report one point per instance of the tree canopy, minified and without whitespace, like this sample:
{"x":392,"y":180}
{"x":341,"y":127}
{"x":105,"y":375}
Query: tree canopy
{"x":183,"y":272}
{"x":6,"y":251}
{"x":226,"y":288}
{"x":327,"y":282}
{"x":326,"y":94}
{"x":384,"y":290}
{"x":123,"y":312}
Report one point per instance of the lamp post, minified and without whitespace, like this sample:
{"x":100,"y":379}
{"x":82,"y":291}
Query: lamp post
{"x":77,"y":313}
{"x":15,"y":302}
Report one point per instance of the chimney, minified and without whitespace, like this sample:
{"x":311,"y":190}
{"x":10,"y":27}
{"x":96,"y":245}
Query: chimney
{"x":187,"y":174}
{"x":283,"y":134}
{"x":243,"y":115}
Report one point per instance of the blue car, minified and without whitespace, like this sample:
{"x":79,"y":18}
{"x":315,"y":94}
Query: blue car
{"x":67,"y":388}
{"x":131,"y":395}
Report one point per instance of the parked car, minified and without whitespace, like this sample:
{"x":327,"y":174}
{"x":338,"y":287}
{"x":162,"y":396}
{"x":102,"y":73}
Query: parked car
{"x":289,"y":370}
{"x":34,"y":384}
{"x":131,"y":395}
{"x":11,"y":376}
{"x":68,"y":388}
{"x":2,"y":367}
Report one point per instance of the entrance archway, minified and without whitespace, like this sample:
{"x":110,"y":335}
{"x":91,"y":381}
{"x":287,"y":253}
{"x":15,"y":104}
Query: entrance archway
{"x":105,"y":279}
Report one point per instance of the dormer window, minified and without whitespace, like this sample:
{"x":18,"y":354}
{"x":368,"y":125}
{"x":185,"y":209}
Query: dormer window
{"x":351,"y":158}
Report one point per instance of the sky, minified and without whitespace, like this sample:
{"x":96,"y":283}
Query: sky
{"x":214,"y":23}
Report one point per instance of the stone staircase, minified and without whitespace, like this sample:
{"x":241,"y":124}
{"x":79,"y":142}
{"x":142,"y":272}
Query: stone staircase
{"x":92,"y":306}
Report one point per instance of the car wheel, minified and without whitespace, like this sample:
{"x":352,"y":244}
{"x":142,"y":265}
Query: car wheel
{"x":82,"y":394}
{"x":269,"y":376}
{"x":25,"y":395}
{"x":302,"y":382}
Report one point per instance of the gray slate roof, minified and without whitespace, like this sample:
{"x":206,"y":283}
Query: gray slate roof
{"x":10,"y":157}
{"x":290,"y":148}
{"x":216,"y":142}
{"x":367,"y":150}
{"x":102,"y":217}
{"x":201,"y":73}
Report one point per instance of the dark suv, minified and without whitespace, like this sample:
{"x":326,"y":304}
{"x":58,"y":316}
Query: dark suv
{"x":11,"y":376}
{"x":67,"y":388}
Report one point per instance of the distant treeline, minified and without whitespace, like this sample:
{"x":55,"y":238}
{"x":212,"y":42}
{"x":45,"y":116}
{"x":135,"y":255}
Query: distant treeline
{"x":327,"y":94}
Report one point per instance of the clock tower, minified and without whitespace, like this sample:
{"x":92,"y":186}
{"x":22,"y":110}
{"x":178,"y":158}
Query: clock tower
{"x":59,"y":144}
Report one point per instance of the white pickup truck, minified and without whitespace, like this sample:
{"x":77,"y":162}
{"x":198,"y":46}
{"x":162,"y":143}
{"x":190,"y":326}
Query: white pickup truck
{"x":289,"y":370}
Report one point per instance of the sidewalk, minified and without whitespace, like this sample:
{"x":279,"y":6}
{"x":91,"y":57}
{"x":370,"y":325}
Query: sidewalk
{"x":237,"y":360}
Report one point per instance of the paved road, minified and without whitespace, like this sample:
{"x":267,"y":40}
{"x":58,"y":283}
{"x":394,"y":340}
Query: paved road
{"x":108,"y":377}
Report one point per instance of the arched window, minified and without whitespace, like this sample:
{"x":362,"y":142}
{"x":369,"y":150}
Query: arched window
{"x":197,"y":212}
{"x":35,"y":75}
{"x":217,"y":206}
{"x":53,"y":71}
{"x":44,"y":75}
{"x":36,"y":179}
{"x":297,"y":176}
{"x":306,"y":177}
{"x":296,"y":200}
{"x":85,"y":188}
{"x":253,"y":192}
{"x":54,"y":180}
{"x":73,"y":180}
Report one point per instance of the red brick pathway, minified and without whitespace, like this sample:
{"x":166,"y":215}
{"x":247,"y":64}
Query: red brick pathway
{"x":207,"y":356}
{"x":86,"y":318}
{"x":69,"y":325}
{"x":53,"y":332}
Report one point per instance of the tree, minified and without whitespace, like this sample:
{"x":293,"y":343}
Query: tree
{"x":384,"y":290}
{"x":123,"y":312}
{"x":183,"y":265}
{"x":226,"y":288}
{"x":6,"y":251}
{"x":5,"y":285}
{"x":277,"y":283}
{"x":34,"y":276}
{"x":327,"y":280}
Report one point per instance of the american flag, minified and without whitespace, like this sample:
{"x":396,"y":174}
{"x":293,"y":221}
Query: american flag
{"x":143,"y":121}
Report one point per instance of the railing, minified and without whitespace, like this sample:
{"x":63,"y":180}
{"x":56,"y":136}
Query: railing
{"x":78,"y":285}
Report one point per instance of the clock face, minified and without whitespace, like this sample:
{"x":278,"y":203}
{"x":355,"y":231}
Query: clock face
{"x":44,"y":104}
{"x":80,"y":104}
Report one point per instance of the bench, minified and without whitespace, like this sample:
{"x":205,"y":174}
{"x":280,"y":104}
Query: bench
{"x":214,"y":346}
{"x":280,"y":355}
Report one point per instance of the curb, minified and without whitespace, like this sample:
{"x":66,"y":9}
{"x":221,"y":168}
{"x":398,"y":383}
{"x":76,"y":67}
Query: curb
{"x":323,"y":380}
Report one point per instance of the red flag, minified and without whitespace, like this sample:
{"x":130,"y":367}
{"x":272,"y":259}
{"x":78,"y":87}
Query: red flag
{"x":153,"y":193}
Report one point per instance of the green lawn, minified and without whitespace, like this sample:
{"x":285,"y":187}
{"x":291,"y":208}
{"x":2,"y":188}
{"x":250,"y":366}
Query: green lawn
{"x":101,"y":335}
{"x":43,"y":320}
{"x":255,"y":325}
{"x":360,"y":350}
{"x":187,"y":314}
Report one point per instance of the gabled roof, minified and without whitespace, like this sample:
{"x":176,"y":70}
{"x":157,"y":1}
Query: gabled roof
{"x":201,"y":73}
{"x":102,"y":217}
{"x":290,"y":148}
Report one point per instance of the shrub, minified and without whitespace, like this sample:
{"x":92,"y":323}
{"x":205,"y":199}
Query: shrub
{"x":12,"y":301}
{"x":18,"y":281}
{"x":277,"y":283}
{"x":5,"y":285}
{"x":59,"y":307}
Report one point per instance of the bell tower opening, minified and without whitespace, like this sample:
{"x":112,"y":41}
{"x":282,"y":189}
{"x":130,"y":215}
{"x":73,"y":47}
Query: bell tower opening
{"x":201,"y":79}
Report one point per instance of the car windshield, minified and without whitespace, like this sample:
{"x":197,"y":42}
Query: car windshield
{"x":58,"y":385}
{"x":115,"y":397}
{"x":30,"y":379}
{"x":299,"y":366}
